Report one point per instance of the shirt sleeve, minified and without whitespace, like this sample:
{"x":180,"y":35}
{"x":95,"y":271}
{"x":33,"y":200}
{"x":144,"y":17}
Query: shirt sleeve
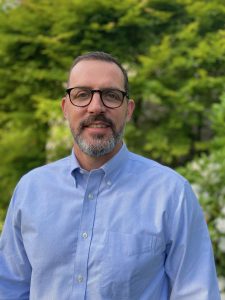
{"x":190,"y":263}
{"x":15,"y":269}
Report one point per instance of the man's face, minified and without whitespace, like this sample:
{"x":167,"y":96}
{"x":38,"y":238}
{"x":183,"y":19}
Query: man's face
{"x":97,"y":130}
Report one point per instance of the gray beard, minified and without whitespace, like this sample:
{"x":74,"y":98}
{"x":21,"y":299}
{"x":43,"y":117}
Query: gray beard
{"x":100,"y":145}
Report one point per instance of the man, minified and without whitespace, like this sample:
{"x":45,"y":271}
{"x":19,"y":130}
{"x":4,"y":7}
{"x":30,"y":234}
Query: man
{"x":104,"y":223}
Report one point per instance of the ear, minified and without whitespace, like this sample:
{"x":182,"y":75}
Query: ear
{"x":64,"y":107}
{"x":130,"y":109}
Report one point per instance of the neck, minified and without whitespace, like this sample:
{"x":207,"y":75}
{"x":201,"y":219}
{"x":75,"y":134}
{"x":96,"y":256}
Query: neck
{"x":92,"y":163}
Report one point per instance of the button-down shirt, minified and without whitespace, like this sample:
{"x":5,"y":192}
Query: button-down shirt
{"x":132,"y":229}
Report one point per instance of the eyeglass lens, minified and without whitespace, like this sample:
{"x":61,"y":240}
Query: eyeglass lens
{"x":110,"y":97}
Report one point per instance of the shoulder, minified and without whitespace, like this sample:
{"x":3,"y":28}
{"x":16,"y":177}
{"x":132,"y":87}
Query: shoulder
{"x":165,"y":184}
{"x":47,"y":172}
{"x":146,"y":167}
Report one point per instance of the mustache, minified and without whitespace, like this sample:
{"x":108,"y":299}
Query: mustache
{"x":95,"y":118}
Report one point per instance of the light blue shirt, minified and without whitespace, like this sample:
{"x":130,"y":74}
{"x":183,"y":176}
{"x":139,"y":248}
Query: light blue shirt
{"x":132,"y":229}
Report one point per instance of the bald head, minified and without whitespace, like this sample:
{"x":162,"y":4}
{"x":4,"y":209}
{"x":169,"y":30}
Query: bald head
{"x":105,"y":57}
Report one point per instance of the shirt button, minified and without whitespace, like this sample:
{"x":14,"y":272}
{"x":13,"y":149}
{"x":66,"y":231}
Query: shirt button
{"x":80,"y":278}
{"x":90,"y":196}
{"x":84,"y":235}
{"x":108,"y":182}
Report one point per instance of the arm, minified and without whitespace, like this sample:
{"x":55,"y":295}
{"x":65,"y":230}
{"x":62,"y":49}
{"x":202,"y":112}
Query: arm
{"x":190,"y":264}
{"x":15,"y":269}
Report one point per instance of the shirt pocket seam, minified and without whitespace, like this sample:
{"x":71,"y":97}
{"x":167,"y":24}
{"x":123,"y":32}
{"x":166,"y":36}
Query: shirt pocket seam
{"x":135,"y":244}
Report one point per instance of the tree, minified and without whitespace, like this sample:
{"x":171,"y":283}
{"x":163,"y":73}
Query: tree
{"x":180,"y":77}
{"x":207,"y":176}
{"x":39,"y":40}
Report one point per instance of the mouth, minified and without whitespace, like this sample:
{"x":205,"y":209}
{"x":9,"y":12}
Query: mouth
{"x":98,"y":129}
{"x":97,"y":123}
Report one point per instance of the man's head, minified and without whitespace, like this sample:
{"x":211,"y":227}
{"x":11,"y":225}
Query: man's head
{"x":102,"y":56}
{"x":97,"y":105}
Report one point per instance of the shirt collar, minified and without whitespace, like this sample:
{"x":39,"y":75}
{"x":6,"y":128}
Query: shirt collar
{"x":110,"y":168}
{"x":74,"y":164}
{"x":116,"y":162}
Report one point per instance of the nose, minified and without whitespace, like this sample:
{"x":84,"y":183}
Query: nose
{"x":96,"y":106}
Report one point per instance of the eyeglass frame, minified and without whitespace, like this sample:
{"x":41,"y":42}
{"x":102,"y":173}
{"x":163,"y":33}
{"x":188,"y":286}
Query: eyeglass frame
{"x":93,"y":91}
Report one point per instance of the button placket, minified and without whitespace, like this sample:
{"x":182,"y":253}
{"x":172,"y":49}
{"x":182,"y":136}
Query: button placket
{"x":85,"y":235}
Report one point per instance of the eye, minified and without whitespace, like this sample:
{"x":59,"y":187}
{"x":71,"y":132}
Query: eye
{"x":112,"y":95}
{"x":81,"y":94}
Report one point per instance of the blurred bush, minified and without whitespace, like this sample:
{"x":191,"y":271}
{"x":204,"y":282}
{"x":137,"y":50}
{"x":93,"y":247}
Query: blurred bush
{"x":174,"y":52}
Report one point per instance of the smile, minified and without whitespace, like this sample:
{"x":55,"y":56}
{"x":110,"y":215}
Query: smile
{"x":97,"y":123}
{"x":98,"y":126}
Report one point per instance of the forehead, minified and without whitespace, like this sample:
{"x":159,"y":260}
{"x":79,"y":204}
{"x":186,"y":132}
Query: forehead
{"x":96,"y":74}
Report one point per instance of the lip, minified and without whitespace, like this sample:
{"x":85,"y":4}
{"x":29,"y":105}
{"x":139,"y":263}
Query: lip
{"x":97,"y":128}
{"x":98,"y":125}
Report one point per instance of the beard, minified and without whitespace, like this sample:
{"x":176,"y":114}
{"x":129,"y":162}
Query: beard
{"x":99,"y":144}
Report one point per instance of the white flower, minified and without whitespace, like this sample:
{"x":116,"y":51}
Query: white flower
{"x":222,"y":296}
{"x":221,"y":244}
{"x":214,"y":166}
{"x":223,"y":210}
{"x":205,"y":195}
{"x":220,"y":225}
{"x":221,"y":282}
{"x":197,"y":189}
{"x":195,"y":166}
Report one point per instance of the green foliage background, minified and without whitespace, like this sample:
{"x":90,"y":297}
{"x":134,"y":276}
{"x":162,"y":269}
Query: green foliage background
{"x":174,"y":52}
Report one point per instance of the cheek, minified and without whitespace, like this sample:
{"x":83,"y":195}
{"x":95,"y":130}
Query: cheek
{"x":120,"y":120}
{"x":71,"y":113}
{"x":72,"y":119}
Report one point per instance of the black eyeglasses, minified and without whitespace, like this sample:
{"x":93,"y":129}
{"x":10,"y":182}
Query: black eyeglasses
{"x":81,"y":97}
